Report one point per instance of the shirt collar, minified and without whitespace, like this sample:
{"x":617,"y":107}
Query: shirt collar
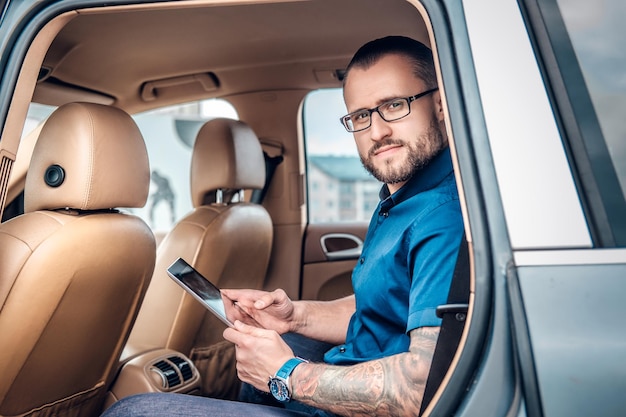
{"x":424,"y":179}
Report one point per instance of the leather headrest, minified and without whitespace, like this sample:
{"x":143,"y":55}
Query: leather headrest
{"x":226,"y":155}
{"x":88,"y":157}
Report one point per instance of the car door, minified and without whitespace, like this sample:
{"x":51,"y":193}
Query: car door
{"x":569,"y":291}
{"x":548,"y":77}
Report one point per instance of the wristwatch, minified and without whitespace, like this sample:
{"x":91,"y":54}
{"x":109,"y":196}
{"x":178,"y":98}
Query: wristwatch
{"x":279,"y":383}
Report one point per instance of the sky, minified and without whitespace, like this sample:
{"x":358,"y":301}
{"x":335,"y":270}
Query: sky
{"x":324,"y":133}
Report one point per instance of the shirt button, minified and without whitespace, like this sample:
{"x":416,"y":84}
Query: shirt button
{"x":342,"y":349}
{"x":362,"y":260}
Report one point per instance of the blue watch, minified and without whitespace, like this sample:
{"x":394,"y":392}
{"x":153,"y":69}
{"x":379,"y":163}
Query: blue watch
{"x":279,"y":383}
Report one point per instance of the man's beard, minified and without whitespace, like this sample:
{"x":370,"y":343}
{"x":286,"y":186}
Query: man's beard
{"x":420,"y":153}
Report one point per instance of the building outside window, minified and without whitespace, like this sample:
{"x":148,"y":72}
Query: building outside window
{"x":339,"y":188}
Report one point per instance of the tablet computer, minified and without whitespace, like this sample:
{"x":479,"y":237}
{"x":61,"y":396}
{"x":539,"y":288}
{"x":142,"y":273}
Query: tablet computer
{"x":200,"y":288}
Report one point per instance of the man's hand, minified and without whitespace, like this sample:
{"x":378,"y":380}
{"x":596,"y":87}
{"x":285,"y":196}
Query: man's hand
{"x":259,"y":352}
{"x":271,"y":310}
{"x":235,"y":312}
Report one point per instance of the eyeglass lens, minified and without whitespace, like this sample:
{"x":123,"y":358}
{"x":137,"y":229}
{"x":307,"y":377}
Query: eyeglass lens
{"x":389,"y":111}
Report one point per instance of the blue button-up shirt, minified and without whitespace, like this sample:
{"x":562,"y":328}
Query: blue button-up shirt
{"x":406,"y":265}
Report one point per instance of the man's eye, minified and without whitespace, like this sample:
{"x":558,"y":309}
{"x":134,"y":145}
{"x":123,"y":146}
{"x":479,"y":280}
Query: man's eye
{"x":395,"y":105}
{"x":360,"y":117}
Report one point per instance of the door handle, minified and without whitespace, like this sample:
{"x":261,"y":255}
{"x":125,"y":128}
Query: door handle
{"x":340,"y":246}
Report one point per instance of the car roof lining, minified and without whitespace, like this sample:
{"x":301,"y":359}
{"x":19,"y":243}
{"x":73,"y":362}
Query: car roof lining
{"x":86,"y":54}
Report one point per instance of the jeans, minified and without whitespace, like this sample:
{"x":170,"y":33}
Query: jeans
{"x":252,"y":401}
{"x":182,"y":405}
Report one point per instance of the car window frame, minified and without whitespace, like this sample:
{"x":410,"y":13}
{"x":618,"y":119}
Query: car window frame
{"x":596,"y":180}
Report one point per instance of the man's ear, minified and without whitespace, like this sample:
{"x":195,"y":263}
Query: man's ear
{"x":438,"y":105}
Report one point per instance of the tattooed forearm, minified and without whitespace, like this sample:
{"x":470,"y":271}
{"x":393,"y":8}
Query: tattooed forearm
{"x":392,"y":386}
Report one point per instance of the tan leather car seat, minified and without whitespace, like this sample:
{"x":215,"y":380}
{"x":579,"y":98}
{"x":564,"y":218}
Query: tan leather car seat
{"x":73,"y":271}
{"x":228,"y":241}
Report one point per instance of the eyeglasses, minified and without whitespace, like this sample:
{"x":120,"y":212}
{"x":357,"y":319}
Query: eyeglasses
{"x":389,"y":111}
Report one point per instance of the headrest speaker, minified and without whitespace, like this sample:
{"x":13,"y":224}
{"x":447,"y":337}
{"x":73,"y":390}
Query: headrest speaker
{"x":54,"y":176}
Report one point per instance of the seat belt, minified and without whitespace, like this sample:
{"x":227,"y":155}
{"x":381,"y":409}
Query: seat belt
{"x":271,"y":162}
{"x":453,"y":315}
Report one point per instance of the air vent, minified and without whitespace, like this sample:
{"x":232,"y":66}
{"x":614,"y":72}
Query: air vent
{"x":168,"y":373}
{"x":183,"y":366}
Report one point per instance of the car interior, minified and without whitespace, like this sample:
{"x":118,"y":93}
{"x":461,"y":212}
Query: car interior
{"x":264,"y":58}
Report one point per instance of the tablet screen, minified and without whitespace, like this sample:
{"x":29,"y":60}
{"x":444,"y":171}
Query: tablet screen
{"x":200,"y":288}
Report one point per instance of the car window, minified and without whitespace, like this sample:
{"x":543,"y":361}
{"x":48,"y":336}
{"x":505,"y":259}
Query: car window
{"x":37,"y":113}
{"x":591,"y":35}
{"x":597,"y":33}
{"x":339,"y":188}
{"x":170,"y":134}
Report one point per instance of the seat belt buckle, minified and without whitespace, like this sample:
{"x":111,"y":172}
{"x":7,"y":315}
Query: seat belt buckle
{"x":459,"y":311}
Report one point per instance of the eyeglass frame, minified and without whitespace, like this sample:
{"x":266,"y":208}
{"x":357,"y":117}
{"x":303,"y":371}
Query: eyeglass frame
{"x":409,"y":100}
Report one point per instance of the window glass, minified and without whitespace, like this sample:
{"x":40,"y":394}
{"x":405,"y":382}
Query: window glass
{"x":37,"y":113}
{"x":339,"y":188}
{"x":597,"y":33}
{"x":170,"y":134}
{"x":587,"y":39}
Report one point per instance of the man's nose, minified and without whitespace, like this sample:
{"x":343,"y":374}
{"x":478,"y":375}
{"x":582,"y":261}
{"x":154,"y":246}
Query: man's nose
{"x":379,"y":128}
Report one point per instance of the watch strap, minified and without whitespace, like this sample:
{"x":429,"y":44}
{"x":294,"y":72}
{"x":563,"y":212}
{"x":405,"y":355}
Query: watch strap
{"x":288,"y":367}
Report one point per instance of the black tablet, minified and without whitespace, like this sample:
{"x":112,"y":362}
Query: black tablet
{"x":200,"y":288}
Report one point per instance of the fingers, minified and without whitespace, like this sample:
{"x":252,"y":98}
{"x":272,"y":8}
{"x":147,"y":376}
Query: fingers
{"x":264,"y":301}
{"x":235,"y":311}
{"x":259,"y":299}
{"x":241,"y":333}
{"x":247,"y":298}
{"x":244,"y":297}
{"x":249,"y":330}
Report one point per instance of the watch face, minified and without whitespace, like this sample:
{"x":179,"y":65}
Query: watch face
{"x":279,"y":389}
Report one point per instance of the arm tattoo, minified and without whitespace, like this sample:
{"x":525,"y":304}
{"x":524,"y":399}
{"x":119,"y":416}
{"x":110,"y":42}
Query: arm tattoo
{"x":392,"y":386}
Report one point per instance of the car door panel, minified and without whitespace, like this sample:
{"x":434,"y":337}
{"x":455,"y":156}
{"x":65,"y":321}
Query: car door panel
{"x":330,"y":253}
{"x":576,"y":330}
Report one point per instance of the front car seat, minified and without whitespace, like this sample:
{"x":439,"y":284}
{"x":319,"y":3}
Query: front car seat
{"x":226,"y":239}
{"x":73,"y":270}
